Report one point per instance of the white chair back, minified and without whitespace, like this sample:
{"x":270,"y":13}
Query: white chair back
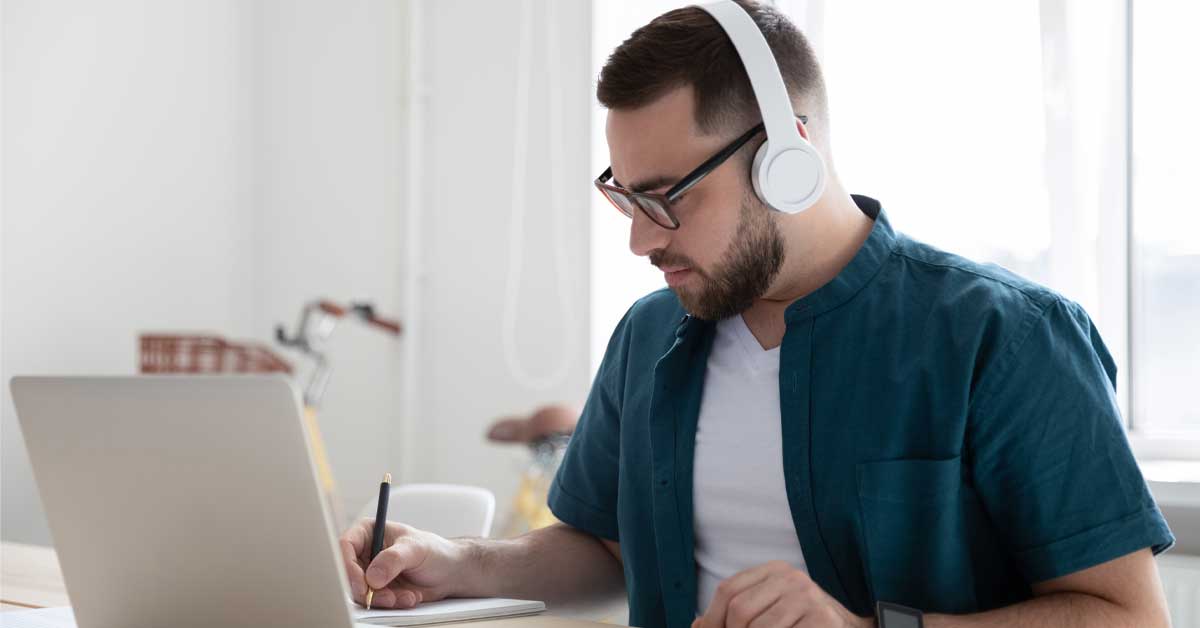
{"x":449,"y":510}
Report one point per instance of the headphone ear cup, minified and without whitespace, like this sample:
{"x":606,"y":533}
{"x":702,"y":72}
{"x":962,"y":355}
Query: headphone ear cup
{"x":758,"y":176}
{"x":792,"y":181}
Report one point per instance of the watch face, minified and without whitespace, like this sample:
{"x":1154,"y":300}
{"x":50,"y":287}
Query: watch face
{"x":896,"y":616}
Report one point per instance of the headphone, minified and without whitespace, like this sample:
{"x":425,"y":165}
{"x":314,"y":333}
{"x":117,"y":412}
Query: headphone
{"x":788,"y":172}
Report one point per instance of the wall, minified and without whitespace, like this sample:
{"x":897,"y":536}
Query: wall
{"x":473,"y":71}
{"x":199,"y":166}
{"x":121,"y":198}
{"x":326,"y":98}
{"x":3,"y":195}
{"x":211,"y":166}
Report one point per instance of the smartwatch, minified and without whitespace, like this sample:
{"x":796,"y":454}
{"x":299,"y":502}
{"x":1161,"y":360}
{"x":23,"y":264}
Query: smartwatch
{"x":895,"y":616}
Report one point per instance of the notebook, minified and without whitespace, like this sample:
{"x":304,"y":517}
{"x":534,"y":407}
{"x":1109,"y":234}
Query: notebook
{"x":464,"y":609}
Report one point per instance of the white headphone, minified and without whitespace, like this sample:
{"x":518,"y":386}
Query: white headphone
{"x":788,"y":172}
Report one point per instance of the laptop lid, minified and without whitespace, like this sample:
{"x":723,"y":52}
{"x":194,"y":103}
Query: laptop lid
{"x":183,"y":501}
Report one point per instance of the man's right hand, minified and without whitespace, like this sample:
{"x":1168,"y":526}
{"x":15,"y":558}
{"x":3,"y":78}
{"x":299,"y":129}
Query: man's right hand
{"x":414,"y":566}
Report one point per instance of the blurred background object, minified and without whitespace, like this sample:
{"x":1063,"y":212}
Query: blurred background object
{"x":546,"y":433}
{"x":193,"y":354}
{"x":450,"y":510}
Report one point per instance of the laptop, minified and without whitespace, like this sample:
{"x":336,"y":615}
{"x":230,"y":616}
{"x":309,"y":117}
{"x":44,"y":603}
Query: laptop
{"x":179,"y":501}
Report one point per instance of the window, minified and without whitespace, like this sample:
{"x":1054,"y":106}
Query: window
{"x":1165,"y":220}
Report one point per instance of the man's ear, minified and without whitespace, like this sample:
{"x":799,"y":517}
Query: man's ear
{"x":803,"y":131}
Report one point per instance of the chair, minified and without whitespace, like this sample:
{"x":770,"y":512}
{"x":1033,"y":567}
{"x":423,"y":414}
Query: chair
{"x":448,"y":510}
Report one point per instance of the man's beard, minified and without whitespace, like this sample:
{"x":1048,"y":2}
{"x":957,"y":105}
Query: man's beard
{"x":744,"y":273}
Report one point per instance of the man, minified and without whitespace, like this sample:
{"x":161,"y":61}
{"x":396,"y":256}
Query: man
{"x":819,"y":413}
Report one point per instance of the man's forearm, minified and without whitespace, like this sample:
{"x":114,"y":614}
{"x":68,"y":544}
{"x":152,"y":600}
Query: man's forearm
{"x":555,"y":564}
{"x":1054,"y":610}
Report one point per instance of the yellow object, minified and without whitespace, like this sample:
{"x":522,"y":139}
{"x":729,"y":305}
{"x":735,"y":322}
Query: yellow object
{"x":324,"y":470}
{"x":530,"y":501}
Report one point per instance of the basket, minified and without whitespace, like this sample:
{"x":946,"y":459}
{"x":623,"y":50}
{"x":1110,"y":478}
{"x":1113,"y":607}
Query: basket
{"x":162,"y":353}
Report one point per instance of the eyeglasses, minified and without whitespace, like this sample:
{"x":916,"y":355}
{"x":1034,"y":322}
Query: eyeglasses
{"x":658,"y":206}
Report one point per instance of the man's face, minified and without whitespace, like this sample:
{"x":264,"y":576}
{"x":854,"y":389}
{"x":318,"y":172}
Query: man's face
{"x":727,"y":249}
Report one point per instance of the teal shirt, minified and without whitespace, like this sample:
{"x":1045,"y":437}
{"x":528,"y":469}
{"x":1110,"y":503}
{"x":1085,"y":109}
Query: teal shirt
{"x":950,"y":436}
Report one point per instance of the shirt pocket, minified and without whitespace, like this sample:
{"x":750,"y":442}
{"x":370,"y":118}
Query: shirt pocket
{"x":915,"y":537}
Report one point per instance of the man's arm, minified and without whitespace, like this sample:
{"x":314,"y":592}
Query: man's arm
{"x":553,"y":564}
{"x":1122,"y":592}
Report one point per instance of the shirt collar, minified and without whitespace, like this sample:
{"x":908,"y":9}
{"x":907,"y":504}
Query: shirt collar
{"x":861,"y":269}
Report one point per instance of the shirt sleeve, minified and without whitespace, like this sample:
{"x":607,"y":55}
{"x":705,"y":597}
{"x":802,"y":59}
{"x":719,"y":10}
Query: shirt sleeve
{"x":1049,"y":454}
{"x":584,"y":492}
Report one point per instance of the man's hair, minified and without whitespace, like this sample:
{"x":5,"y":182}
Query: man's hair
{"x":688,"y":47}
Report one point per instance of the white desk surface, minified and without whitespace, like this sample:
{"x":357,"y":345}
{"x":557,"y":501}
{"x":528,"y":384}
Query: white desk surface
{"x":30,"y":578}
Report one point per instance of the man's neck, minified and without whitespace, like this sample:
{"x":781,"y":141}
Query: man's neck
{"x":819,"y":243}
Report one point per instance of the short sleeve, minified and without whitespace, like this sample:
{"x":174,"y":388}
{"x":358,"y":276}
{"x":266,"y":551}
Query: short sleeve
{"x":584,"y":492}
{"x":1048,"y":452}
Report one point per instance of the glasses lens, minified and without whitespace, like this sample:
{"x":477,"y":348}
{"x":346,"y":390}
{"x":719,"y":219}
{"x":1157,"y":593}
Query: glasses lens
{"x":656,"y":209}
{"x":621,"y":201}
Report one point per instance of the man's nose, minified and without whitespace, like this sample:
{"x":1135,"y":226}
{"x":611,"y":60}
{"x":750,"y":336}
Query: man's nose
{"x":646,"y":236}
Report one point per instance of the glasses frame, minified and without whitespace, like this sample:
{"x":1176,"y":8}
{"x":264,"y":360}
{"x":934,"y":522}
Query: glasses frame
{"x":666,"y":199}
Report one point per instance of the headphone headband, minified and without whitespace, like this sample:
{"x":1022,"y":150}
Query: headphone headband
{"x":765,"y":79}
{"x":788,"y":173}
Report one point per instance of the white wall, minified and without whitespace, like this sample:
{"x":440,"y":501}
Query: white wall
{"x":210,"y":166}
{"x":199,"y":166}
{"x":468,"y":93}
{"x":3,"y":195}
{"x":121,"y":197}
{"x":326,"y":93}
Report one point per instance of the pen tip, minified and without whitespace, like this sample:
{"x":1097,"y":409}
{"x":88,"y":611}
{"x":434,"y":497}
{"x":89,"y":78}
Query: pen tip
{"x":370,"y":594}
{"x":387,"y":478}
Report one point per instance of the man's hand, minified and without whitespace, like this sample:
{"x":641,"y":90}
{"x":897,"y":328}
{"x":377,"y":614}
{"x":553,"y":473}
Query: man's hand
{"x":776,"y":595}
{"x":414,"y":566}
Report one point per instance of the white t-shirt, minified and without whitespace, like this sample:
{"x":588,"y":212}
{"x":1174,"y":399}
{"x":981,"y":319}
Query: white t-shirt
{"x":741,"y":515}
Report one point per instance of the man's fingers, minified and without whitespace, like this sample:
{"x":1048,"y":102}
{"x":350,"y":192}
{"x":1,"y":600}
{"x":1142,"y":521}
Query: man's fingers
{"x":395,"y":597}
{"x":718,"y":608}
{"x":392,"y":562}
{"x":801,"y":604}
{"x":353,"y":569}
{"x":779,"y":614}
{"x":403,"y":594}
{"x":752,"y":602}
{"x":359,"y":537}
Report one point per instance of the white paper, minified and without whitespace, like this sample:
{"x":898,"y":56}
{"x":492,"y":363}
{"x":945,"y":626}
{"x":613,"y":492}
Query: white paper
{"x":460,"y":609}
{"x":57,"y":617}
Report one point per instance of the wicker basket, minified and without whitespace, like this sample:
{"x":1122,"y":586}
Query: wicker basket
{"x":163,"y":353}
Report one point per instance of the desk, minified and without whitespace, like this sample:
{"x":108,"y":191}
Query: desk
{"x":30,"y":578}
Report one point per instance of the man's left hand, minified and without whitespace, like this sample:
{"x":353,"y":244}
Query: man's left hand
{"x":776,"y":595}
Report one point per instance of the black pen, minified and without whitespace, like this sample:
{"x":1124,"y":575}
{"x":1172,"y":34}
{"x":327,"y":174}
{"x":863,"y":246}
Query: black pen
{"x":385,"y":489}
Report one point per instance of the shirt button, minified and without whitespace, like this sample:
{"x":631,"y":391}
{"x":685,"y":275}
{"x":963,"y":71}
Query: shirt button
{"x":678,"y":585}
